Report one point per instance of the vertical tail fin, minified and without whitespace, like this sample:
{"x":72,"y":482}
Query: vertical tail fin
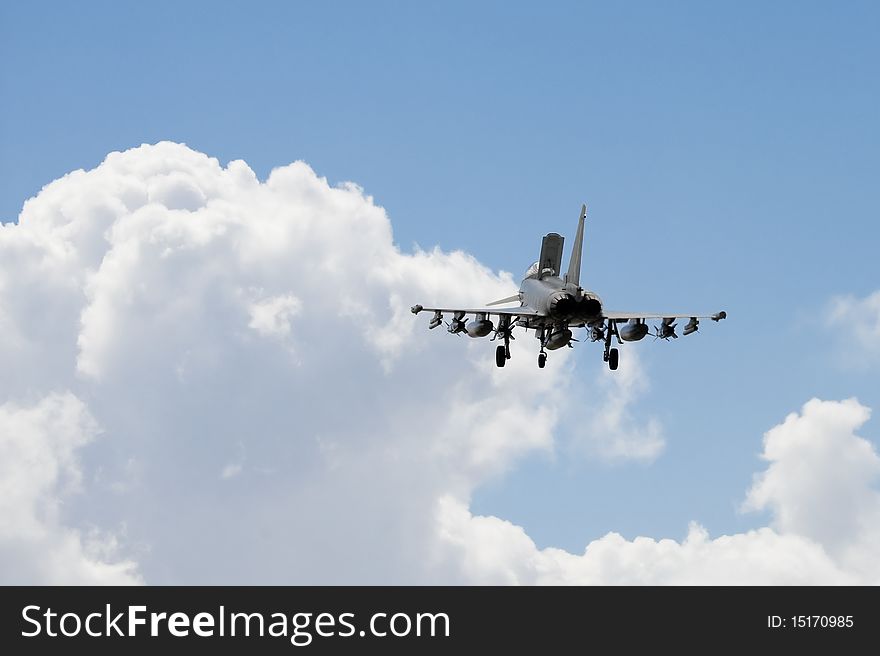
{"x":574,"y":264}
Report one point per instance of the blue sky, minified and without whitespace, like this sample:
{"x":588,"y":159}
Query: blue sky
{"x":728,"y":153}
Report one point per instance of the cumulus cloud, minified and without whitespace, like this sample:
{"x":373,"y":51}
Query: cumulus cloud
{"x":205,"y":315}
{"x":820,"y":487}
{"x":820,"y":482}
{"x":490,"y":550}
{"x":271,"y":316}
{"x":270,"y":414}
{"x":39,"y":469}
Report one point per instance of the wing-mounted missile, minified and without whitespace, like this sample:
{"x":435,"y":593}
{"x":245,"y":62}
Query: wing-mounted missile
{"x":457,"y":324}
{"x":691,"y":327}
{"x":504,"y":329}
{"x":666,"y":330}
{"x":435,"y":321}
{"x":633,"y":330}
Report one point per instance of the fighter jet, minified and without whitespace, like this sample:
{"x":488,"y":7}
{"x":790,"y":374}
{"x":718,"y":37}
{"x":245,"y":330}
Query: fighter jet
{"x":552,"y":304}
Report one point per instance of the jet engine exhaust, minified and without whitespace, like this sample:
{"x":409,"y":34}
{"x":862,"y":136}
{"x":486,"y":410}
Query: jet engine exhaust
{"x":566,"y":305}
{"x":590,"y":307}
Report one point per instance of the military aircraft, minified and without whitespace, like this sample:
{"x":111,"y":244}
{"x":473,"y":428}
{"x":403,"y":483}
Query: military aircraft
{"x":552,"y":305}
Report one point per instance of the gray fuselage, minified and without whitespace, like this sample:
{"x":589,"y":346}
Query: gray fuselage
{"x":562,"y":303}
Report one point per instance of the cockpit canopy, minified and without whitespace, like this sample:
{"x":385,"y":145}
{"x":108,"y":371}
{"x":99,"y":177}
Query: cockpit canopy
{"x":535,"y":271}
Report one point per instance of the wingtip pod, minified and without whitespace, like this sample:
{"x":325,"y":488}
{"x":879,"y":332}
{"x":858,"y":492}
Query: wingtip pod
{"x":718,"y":316}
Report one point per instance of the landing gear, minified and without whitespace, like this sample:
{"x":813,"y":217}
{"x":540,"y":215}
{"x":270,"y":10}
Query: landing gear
{"x":542,"y":360}
{"x":613,"y":358}
{"x":505,"y":331}
{"x":611,"y":355}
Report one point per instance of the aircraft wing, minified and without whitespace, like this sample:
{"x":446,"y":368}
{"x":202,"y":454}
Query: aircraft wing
{"x":626,"y":316}
{"x":520,"y":311}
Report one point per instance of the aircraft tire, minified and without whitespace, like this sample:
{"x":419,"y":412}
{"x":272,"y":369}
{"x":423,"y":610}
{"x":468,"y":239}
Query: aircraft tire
{"x":542,"y":360}
{"x":613,"y":359}
{"x":500,"y":356}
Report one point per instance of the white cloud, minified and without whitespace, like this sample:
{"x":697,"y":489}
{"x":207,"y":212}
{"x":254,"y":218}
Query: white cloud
{"x":490,"y":550}
{"x":820,"y":487}
{"x":202,"y":314}
{"x":271,"y":315}
{"x":857,"y":322}
{"x":605,"y":425}
{"x":39,"y":469}
{"x":820,"y":482}
{"x":200,"y":310}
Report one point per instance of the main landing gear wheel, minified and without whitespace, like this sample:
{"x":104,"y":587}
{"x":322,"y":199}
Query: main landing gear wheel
{"x":613,"y":359}
{"x":500,"y":355}
{"x":542,"y":360}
